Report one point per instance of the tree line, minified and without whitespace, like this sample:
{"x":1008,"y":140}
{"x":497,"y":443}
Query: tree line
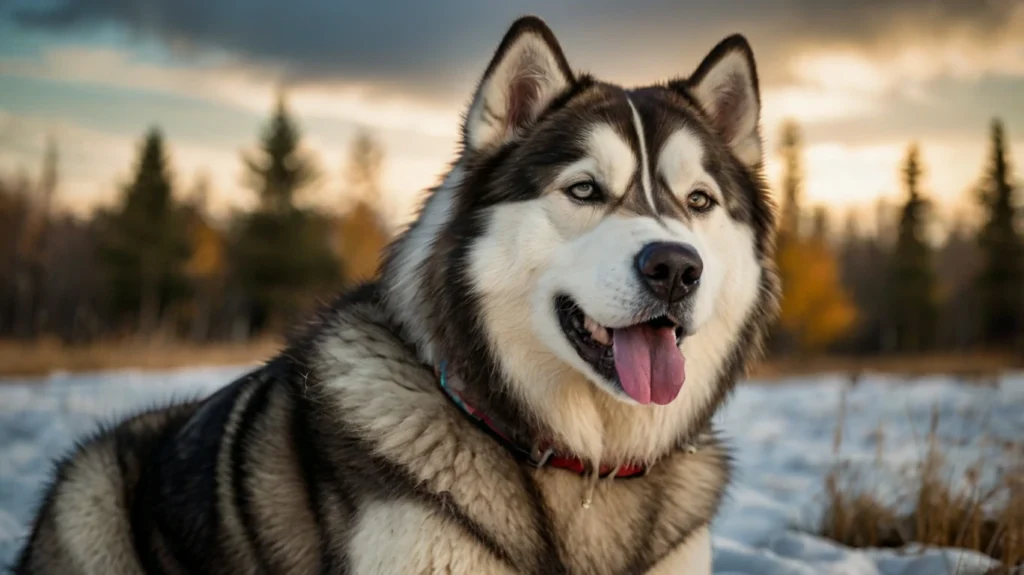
{"x":157,"y":265}
{"x":895,"y":290}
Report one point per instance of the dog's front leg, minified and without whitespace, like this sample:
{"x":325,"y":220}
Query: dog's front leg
{"x":409,"y":537}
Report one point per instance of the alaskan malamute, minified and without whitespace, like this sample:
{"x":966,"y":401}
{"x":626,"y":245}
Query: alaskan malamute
{"x":527,"y":388}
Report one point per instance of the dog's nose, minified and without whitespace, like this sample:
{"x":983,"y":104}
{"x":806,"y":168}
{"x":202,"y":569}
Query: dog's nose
{"x":671,"y":271}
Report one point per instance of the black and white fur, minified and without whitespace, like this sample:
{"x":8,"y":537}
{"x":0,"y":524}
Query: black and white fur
{"x":342,"y":455}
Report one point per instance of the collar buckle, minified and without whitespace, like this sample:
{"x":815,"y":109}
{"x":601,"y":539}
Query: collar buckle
{"x":539,"y":457}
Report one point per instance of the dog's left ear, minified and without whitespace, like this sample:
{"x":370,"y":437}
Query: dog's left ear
{"x":527,"y":73}
{"x":725,"y":84}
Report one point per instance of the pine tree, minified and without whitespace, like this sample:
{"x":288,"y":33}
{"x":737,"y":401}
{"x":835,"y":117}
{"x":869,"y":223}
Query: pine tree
{"x":143,"y":242}
{"x":959,"y":325}
{"x":820,"y":231}
{"x":50,"y":177}
{"x":816,"y":309}
{"x":281,"y":169}
{"x":281,"y":254}
{"x":34,"y":245}
{"x":792,"y":180}
{"x":910,"y":293}
{"x":858,"y":275}
{"x":1001,"y":281}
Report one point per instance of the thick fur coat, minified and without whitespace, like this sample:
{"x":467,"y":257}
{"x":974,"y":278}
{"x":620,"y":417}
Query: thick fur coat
{"x":344,"y":455}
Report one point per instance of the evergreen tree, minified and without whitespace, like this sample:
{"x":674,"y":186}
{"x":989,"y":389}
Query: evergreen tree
{"x":959,"y":317}
{"x":49,"y":178}
{"x":281,"y":256}
{"x":790,"y":147}
{"x":816,"y":309}
{"x":910,"y":293}
{"x":143,"y":243}
{"x":858,"y":274}
{"x":281,"y":169}
{"x":33,"y":247}
{"x":1001,"y":281}
{"x":820,"y":231}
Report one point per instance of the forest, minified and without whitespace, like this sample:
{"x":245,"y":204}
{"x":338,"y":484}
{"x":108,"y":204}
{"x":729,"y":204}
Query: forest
{"x":156,"y":266}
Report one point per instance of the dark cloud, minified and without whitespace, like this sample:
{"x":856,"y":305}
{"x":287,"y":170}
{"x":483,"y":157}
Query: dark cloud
{"x":436,"y":48}
{"x":866,"y":21}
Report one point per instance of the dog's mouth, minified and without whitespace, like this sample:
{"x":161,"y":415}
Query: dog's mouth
{"x":643,"y":359}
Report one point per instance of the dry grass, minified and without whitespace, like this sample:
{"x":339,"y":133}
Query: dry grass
{"x":964,"y":514}
{"x":966,"y":366}
{"x":19,"y":359}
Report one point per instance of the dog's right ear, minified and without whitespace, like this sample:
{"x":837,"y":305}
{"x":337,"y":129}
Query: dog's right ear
{"x":527,"y":73}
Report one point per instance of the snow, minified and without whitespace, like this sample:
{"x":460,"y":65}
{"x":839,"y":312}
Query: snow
{"x":782,"y":433}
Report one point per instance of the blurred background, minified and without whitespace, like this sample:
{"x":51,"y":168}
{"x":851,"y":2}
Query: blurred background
{"x":188,"y":172}
{"x":181,"y":180}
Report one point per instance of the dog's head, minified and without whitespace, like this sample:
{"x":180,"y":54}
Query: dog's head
{"x":600,"y":256}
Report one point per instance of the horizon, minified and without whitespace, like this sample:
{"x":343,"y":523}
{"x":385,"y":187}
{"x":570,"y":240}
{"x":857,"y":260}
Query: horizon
{"x":96,"y":75}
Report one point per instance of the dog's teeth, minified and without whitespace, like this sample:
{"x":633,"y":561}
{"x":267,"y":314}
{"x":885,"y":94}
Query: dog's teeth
{"x":597,"y":331}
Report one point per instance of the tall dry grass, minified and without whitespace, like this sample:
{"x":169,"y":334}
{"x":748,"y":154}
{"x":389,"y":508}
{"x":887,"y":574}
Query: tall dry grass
{"x":974,"y":367}
{"x":933,"y":507}
{"x":41,"y":358}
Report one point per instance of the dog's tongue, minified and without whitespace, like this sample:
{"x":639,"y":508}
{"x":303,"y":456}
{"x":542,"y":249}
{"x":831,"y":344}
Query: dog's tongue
{"x":650,"y":366}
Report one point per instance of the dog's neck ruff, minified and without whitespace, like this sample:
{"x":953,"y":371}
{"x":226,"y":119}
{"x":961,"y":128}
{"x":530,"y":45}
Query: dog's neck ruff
{"x":539,"y":454}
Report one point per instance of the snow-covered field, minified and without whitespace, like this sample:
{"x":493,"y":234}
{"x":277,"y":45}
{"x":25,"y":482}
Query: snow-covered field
{"x":782,"y":432}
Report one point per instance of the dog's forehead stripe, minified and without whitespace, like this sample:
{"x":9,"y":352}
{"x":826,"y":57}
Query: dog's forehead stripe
{"x":645,"y":174}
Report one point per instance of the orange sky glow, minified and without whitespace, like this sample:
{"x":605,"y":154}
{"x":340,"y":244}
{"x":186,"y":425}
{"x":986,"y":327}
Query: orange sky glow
{"x":859,"y":100}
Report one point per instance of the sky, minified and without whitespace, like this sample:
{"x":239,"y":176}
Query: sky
{"x":862,"y":78}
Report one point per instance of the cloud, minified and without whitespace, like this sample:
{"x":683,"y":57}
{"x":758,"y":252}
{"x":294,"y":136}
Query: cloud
{"x":862,"y":77}
{"x":85,"y":170}
{"x":432,"y":48}
{"x":411,"y":66}
{"x":230,"y":82}
{"x":940,"y":109}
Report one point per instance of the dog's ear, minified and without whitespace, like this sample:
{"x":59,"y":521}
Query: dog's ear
{"x":725,"y":84}
{"x":527,"y":72}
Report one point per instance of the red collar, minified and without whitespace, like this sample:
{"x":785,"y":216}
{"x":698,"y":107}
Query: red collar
{"x":540,"y":456}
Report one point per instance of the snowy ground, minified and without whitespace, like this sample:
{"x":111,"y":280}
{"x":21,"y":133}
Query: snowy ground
{"x":783,"y":435}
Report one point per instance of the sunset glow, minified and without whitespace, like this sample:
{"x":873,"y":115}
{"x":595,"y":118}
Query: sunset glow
{"x":96,"y":85}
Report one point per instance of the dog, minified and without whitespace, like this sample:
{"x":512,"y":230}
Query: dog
{"x":526,"y":387}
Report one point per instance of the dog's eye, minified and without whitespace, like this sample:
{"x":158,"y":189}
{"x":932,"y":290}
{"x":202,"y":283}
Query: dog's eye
{"x":700,"y":201}
{"x":585,"y":191}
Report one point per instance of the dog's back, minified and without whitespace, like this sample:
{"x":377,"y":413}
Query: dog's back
{"x":82,"y":525}
{"x":177,"y":490}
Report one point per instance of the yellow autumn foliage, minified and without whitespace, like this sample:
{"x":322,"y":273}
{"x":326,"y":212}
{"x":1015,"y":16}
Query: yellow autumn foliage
{"x":361,"y":236}
{"x":207,"y":259}
{"x":816,"y":310}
